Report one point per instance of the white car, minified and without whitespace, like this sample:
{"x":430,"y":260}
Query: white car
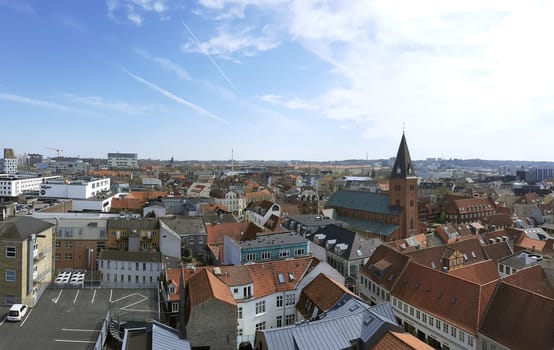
{"x":17,"y":312}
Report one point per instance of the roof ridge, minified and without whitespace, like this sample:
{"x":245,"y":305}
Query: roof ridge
{"x":526,"y":290}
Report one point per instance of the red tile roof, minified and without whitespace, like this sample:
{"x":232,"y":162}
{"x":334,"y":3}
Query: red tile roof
{"x":519,"y":319}
{"x":470,"y":246}
{"x":448,"y":297}
{"x":532,"y":279}
{"x":385,"y":266}
{"x":480,"y":273}
{"x":323,"y":291}
{"x":205,"y":286}
{"x":399,"y":341}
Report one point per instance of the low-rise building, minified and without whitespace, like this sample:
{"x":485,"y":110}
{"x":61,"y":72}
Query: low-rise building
{"x":265,"y":248}
{"x":123,"y":269}
{"x":183,"y":237}
{"x":15,"y":185}
{"x":133,"y":234}
{"x":26,"y":259}
{"x":122,"y":160}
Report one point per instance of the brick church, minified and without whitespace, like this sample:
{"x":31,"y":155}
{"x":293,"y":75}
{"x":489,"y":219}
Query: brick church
{"x":390,"y":216}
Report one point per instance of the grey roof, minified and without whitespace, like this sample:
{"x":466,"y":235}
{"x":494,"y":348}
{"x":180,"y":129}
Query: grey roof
{"x":133,"y":223}
{"x":165,"y":337}
{"x":122,"y":155}
{"x":273,"y":240}
{"x":347,"y":322}
{"x":22,"y":227}
{"x":358,"y":247}
{"x":123,"y":255}
{"x":363,"y":201}
{"x":313,"y":220}
{"x":520,"y":260}
{"x":369,"y":226}
{"x":186,"y":226}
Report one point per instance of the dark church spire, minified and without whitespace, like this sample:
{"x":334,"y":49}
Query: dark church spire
{"x":403,"y":167}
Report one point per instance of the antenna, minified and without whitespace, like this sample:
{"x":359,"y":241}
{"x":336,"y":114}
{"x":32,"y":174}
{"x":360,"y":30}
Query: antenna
{"x":403,"y":128}
{"x":232,"y":161}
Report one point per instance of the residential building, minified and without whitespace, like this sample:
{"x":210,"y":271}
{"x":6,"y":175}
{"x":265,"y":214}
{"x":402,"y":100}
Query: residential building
{"x":66,"y":166}
{"x":133,"y":234}
{"x":183,"y":237}
{"x":15,"y":185}
{"x":78,"y":242}
{"x":199,"y":190}
{"x":390,"y":216}
{"x":8,"y":164}
{"x":349,"y":324}
{"x":82,"y":189}
{"x":265,"y":294}
{"x":234,"y":200}
{"x":217,"y":233}
{"x":263,"y":214}
{"x":26,"y":259}
{"x":265,"y":247}
{"x":122,"y":160}
{"x":306,"y":224}
{"x":210,"y":313}
{"x":468,"y":209}
{"x":343,"y":249}
{"x":123,"y":269}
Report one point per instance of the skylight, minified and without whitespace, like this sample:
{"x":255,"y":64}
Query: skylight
{"x":281,"y":278}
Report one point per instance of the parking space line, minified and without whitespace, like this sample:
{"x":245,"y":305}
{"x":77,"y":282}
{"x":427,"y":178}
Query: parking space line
{"x":4,"y":320}
{"x":26,"y":318}
{"x":75,"y":341}
{"x":93,"y":296}
{"x":111,"y":290}
{"x":80,"y":330}
{"x":58,"y":298}
{"x":76,"y":295}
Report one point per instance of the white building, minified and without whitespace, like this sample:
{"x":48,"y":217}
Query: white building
{"x":15,"y":185}
{"x":122,"y":160}
{"x":74,"y":189}
{"x":123,"y":269}
{"x":234,"y":200}
{"x":8,"y":166}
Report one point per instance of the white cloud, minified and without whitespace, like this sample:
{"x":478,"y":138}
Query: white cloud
{"x":110,"y":105}
{"x":41,"y":103}
{"x":135,"y":10}
{"x":294,"y":103}
{"x":174,"y":97}
{"x":165,"y":63}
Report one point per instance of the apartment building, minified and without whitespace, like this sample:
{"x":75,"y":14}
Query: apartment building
{"x":13,"y":186}
{"x":123,"y":269}
{"x":133,"y":234}
{"x":26,"y":259}
{"x":122,"y":160}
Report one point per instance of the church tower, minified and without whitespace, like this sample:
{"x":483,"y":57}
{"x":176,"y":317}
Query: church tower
{"x":403,"y":190}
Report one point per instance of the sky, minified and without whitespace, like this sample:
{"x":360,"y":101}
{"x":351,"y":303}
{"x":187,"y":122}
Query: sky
{"x":278,"y":79}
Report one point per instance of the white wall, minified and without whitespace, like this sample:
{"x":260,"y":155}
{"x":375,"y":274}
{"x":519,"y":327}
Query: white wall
{"x":231,"y":251}
{"x":170,"y":242}
{"x":114,"y":269}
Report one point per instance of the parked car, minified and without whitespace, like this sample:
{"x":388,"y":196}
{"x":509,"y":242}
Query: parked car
{"x":17,"y":312}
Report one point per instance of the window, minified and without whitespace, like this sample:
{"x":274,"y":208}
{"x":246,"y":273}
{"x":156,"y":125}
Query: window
{"x":453,"y":332}
{"x":424,"y":318}
{"x":461,"y":336}
{"x":143,"y":266}
{"x":144,"y":245}
{"x":299,"y":251}
{"x":417,"y":314}
{"x":284,"y":253}
{"x":10,"y":275}
{"x":501,"y":268}
{"x":470,"y":340}
{"x":239,"y":312}
{"x":174,"y":307}
{"x":289,"y":299}
{"x":279,"y":321}
{"x":438,"y":324}
{"x":260,"y":326}
{"x":129,"y":278}
{"x":394,"y":302}
{"x":445,"y":327}
{"x":69,"y":245}
{"x":265,"y":255}
{"x":279,"y":301}
{"x":290,"y":319}
{"x":57,"y":256}
{"x":250,"y":257}
{"x":10,"y":252}
{"x":411,"y":311}
{"x":239,"y":332}
{"x":58,"y":244}
{"x":260,"y":307}
{"x":68,"y":256}
{"x":406,"y":308}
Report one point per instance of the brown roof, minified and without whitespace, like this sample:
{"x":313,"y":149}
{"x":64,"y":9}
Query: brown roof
{"x":323,"y":291}
{"x":399,"y":341}
{"x":520,"y":319}
{"x":527,"y":243}
{"x":172,"y":275}
{"x":448,"y":297}
{"x":532,"y":279}
{"x":217,"y":232}
{"x":497,"y":250}
{"x":430,"y":257}
{"x":480,"y":273}
{"x":385,"y":256}
{"x":204,"y":286}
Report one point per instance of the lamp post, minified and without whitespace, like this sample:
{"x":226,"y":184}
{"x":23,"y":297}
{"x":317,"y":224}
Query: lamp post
{"x":91,"y":265}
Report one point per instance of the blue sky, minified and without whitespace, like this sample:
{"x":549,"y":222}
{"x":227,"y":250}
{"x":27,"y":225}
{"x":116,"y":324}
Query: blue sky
{"x":277,"y":79}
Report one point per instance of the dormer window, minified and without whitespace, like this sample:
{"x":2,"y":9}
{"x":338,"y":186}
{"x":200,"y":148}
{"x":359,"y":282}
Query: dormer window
{"x":171,"y":289}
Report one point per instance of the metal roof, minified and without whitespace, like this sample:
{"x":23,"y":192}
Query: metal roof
{"x":363,"y":201}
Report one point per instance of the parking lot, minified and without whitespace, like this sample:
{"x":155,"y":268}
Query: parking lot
{"x":71,"y":318}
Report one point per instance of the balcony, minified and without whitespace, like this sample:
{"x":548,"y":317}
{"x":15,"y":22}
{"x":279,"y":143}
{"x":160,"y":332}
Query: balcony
{"x":37,"y":256}
{"x":39,"y":277}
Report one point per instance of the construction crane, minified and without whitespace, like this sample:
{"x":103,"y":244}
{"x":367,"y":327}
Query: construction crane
{"x":58,"y":150}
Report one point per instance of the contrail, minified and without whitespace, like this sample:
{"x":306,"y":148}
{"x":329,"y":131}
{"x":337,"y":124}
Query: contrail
{"x":173,"y":97}
{"x":211,"y":59}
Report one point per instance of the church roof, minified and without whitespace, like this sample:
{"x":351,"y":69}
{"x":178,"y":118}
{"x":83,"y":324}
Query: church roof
{"x":403,"y":167}
{"x":363,"y":201}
